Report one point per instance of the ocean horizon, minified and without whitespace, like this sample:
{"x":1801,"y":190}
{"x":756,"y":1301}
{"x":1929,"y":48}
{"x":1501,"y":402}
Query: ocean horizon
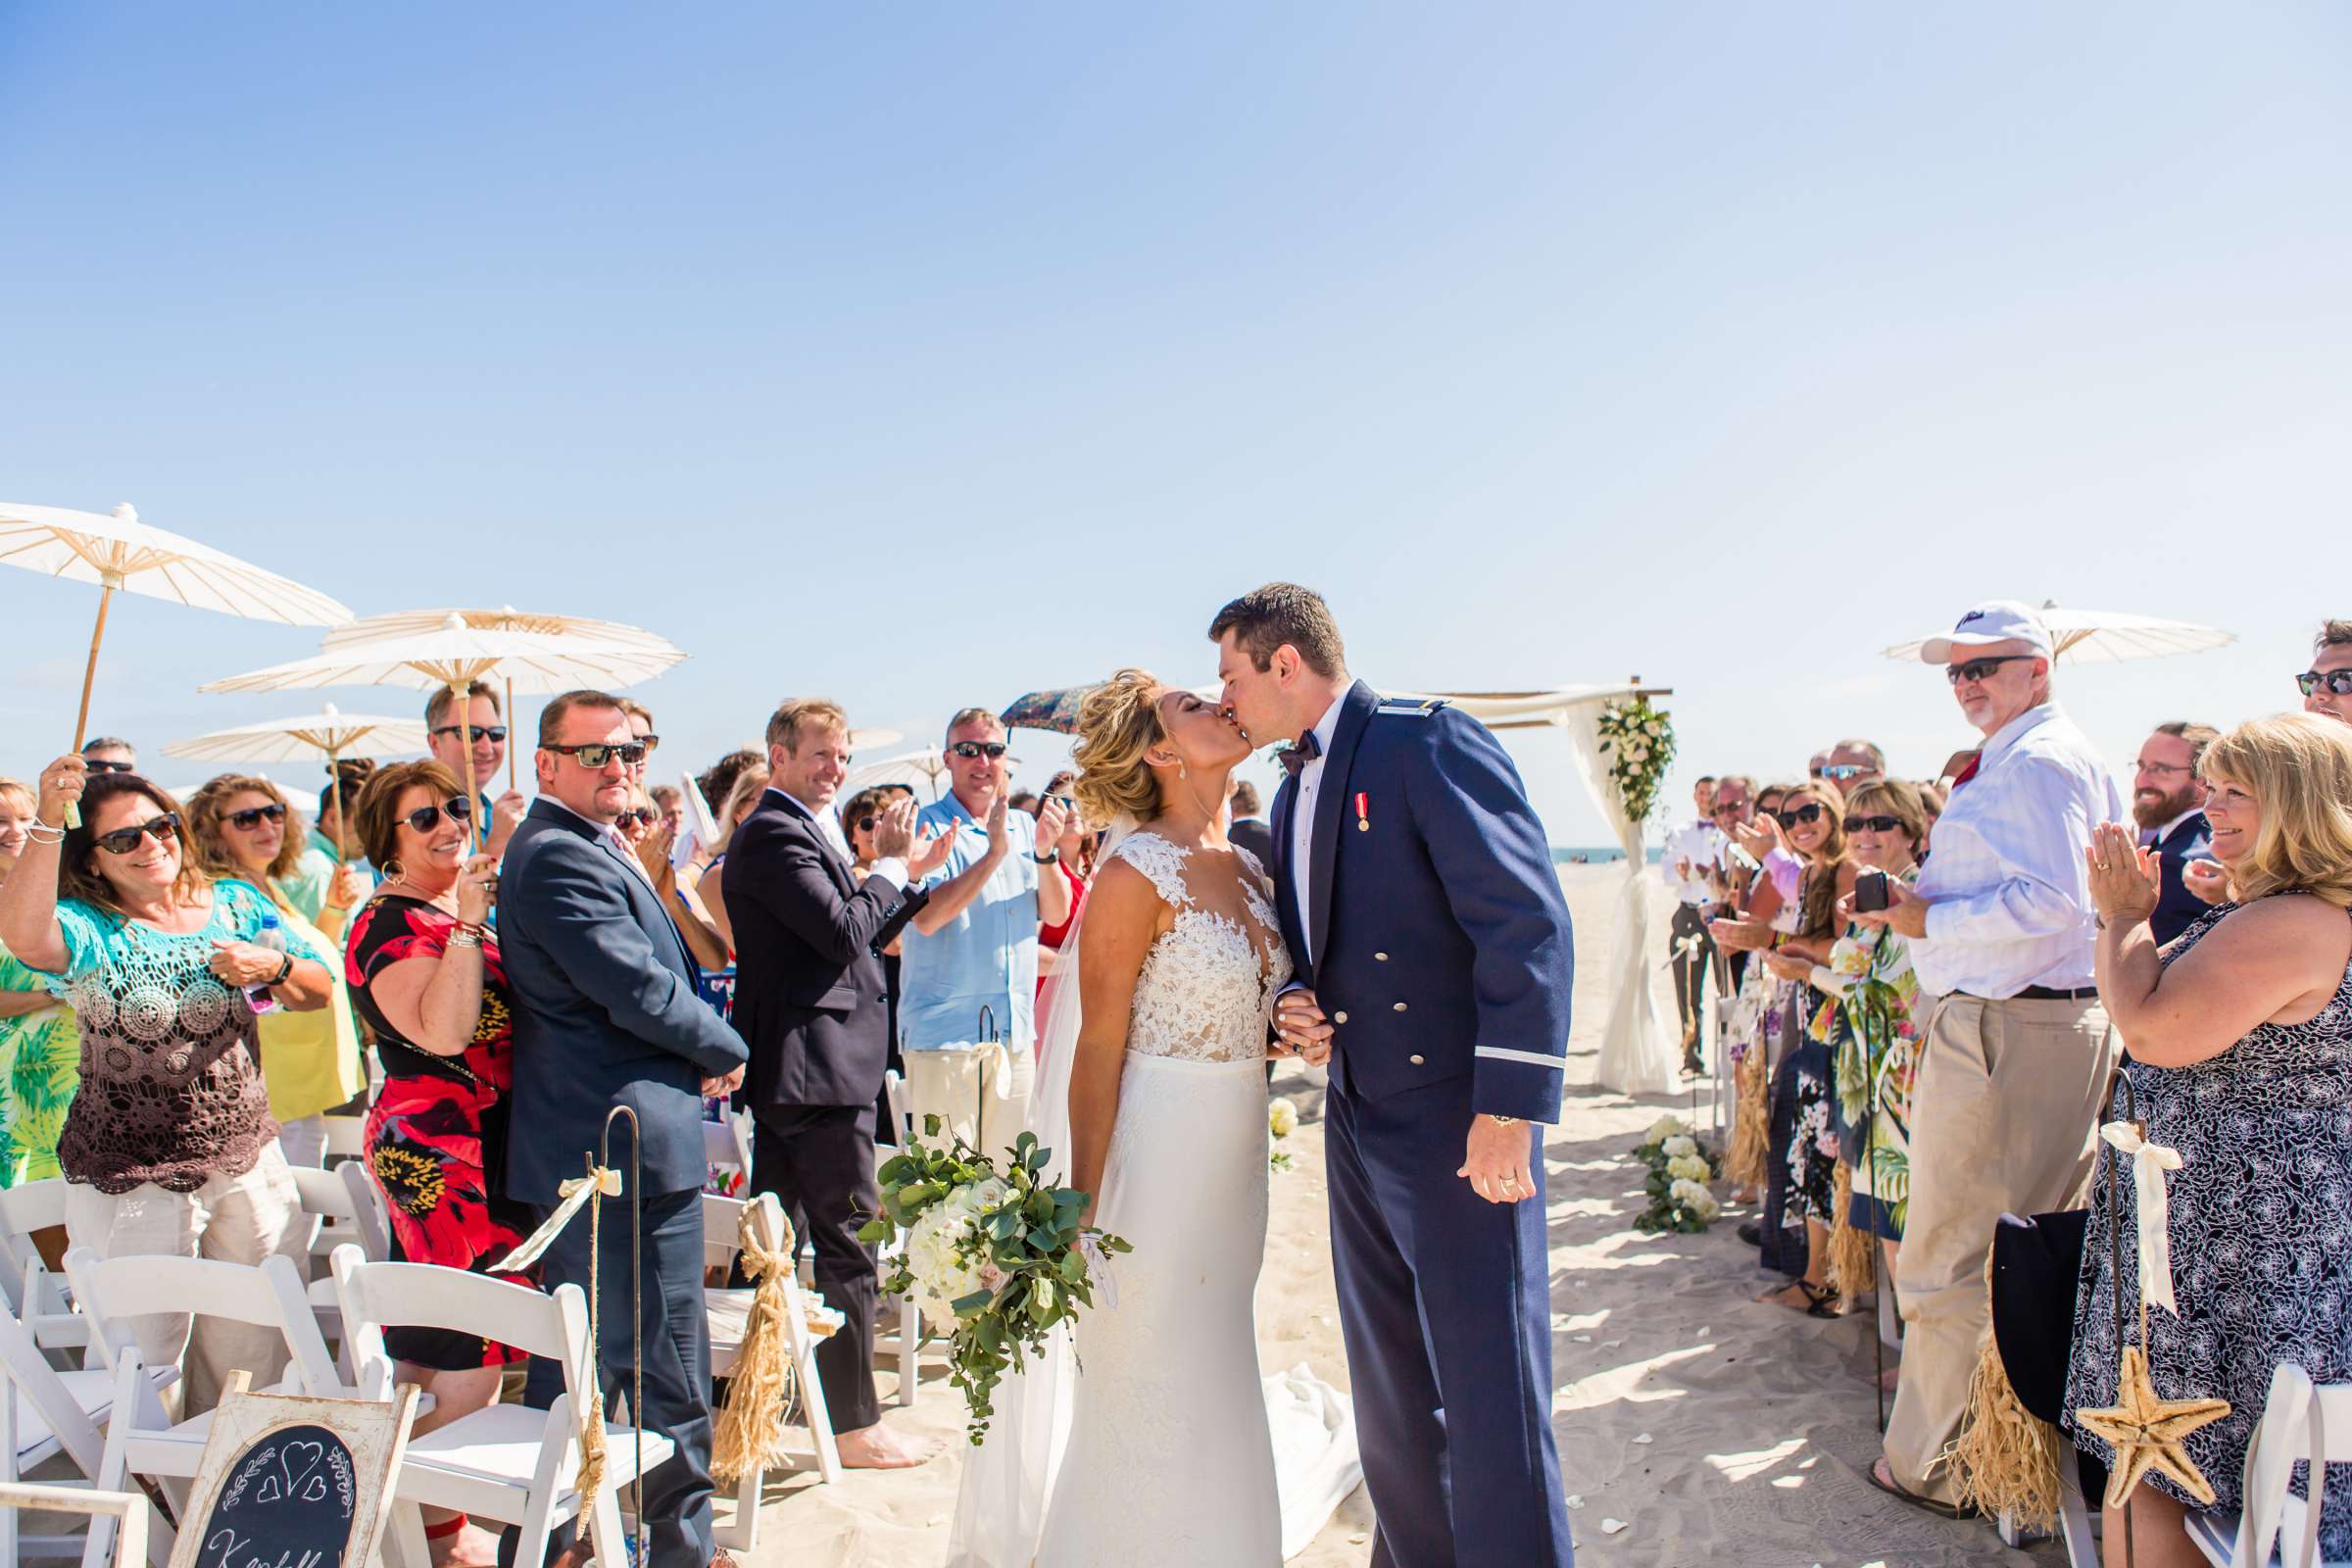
{"x":1596,"y":853}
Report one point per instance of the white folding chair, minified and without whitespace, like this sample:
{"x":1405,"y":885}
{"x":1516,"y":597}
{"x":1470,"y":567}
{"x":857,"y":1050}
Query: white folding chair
{"x":141,"y":1438}
{"x":43,"y":1413}
{"x":730,"y":1311}
{"x":507,"y":1463}
{"x":346,"y":1135}
{"x":727,"y":1146}
{"x":32,"y":1290}
{"x":903,"y":1344}
{"x":2299,"y":1422}
{"x":371,"y":1220}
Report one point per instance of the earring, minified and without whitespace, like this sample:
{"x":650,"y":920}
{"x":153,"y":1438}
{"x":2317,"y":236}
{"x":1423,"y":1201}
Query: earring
{"x":1180,"y":769}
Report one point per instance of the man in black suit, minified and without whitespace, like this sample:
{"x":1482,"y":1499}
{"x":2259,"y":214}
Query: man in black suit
{"x":810,"y":1003}
{"x":606,"y":1014}
{"x":2167,"y":804}
{"x":1248,"y":830}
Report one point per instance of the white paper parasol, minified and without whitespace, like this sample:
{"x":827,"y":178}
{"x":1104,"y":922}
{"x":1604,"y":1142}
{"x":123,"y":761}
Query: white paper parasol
{"x":330,"y":733}
{"x":2108,"y":636}
{"x":925,"y":765}
{"x":122,"y":552}
{"x":459,"y":658}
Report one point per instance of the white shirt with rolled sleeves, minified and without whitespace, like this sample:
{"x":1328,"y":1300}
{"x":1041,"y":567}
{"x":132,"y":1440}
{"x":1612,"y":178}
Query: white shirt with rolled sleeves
{"x":1700,"y":841}
{"x":2011,"y":900}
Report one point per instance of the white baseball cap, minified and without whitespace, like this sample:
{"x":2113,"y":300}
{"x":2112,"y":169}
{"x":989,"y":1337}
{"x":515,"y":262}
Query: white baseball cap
{"x":1996,"y":620}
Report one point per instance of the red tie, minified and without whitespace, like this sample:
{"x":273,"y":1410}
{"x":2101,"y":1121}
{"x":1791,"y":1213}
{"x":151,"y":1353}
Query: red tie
{"x":1969,"y":770}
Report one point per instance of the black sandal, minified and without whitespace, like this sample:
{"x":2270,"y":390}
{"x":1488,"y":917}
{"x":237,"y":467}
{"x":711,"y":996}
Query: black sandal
{"x":1942,"y":1510}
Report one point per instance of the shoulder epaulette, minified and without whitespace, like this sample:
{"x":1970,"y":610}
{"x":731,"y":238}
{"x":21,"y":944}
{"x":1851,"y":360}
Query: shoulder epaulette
{"x":1420,"y":709}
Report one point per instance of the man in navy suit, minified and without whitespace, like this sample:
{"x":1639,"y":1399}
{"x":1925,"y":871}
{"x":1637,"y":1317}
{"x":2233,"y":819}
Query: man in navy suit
{"x":606,"y":1014}
{"x":2168,"y":802}
{"x":1418,"y":898}
{"x":810,"y":1003}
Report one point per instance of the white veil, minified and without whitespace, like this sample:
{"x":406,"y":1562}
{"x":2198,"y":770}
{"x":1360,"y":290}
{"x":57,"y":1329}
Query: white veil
{"x":1001,"y":1506}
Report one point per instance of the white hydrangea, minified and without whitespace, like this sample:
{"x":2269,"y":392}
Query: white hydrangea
{"x":1663,"y":1128}
{"x":1282,"y":1118}
{"x":1695,"y":1198}
{"x":1687,"y":1168}
{"x":1679,"y":1146}
{"x":941,"y":1276}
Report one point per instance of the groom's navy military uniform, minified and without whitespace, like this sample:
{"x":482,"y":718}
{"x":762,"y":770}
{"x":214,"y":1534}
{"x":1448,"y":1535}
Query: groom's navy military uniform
{"x":1436,"y":942}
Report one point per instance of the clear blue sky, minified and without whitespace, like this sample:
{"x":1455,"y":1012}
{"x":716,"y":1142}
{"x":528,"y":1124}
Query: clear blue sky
{"x":922,"y":355}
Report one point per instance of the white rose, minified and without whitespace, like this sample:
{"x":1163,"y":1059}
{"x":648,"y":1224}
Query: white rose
{"x":1282,"y":1118}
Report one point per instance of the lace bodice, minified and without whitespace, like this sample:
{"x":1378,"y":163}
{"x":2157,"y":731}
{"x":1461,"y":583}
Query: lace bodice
{"x":1208,"y":986}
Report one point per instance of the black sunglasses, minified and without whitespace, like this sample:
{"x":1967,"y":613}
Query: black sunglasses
{"x":596,"y":753}
{"x":426,"y":818}
{"x":1979,"y":668}
{"x":652,"y":743}
{"x":865,"y":824}
{"x":1873,"y":824}
{"x":99,"y":764}
{"x":481,"y":732}
{"x":1722,"y":806}
{"x":1810,"y":812}
{"x":246,"y":821}
{"x":636,"y":817}
{"x":164,"y":829}
{"x":2337,"y":681}
{"x":967,"y":750}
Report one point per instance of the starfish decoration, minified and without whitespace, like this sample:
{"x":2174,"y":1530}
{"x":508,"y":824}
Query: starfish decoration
{"x":2146,"y":1431}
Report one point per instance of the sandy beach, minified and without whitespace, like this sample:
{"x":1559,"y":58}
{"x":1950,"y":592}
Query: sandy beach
{"x":1716,"y":1429}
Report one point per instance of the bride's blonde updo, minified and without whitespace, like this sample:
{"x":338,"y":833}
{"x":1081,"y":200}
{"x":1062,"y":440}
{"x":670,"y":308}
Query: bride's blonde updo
{"x":1118,"y":722}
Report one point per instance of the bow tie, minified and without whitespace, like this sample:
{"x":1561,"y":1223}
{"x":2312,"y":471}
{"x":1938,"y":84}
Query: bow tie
{"x":1301,"y":753}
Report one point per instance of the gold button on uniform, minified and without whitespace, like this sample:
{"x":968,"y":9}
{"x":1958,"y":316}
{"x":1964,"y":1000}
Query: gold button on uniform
{"x":1400,"y":1007}
{"x":1339,"y":1017}
{"x":1415,"y":1061}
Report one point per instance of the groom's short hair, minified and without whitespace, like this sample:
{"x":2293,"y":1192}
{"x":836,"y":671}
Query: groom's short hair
{"x":1280,"y":613}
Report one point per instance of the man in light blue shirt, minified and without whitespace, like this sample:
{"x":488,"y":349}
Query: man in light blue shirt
{"x":975,"y":943}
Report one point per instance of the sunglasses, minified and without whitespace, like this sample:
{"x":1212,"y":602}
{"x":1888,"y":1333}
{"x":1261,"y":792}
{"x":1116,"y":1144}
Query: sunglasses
{"x":100,"y":765}
{"x":481,"y":732}
{"x":637,"y":816}
{"x":596,"y":753}
{"x":247,"y":821}
{"x":2337,"y":681}
{"x":967,"y":750}
{"x":1873,"y":824}
{"x":164,"y":829}
{"x":1844,"y":770}
{"x":652,"y":743}
{"x":426,"y":818}
{"x":865,"y":824}
{"x":1979,"y":668}
{"x":1727,"y":807}
{"x":1810,"y":812}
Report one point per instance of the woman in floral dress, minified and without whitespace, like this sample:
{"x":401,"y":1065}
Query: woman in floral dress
{"x":40,"y":1049}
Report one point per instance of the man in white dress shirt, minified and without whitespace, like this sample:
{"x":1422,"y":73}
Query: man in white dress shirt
{"x":1692,"y":851}
{"x":2017,"y":1052}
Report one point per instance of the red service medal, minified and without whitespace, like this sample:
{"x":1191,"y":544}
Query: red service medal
{"x":1363,"y":819}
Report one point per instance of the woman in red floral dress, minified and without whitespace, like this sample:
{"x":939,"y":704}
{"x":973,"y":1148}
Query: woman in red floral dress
{"x":424,"y":970}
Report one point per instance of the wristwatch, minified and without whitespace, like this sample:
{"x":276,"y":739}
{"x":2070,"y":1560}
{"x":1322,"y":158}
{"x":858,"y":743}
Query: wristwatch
{"x":1502,"y":1121}
{"x":283,"y":970}
{"x":1046,"y":859}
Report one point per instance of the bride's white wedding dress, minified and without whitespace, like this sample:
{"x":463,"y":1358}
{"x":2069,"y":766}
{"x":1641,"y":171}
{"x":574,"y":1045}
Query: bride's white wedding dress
{"x":1178,"y":1454}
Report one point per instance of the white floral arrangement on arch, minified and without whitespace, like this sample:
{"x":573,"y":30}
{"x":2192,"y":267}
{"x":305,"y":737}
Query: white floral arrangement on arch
{"x":1637,"y":742}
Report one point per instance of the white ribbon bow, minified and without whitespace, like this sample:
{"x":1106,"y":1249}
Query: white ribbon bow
{"x":2149,"y":1163}
{"x":575,"y":1194}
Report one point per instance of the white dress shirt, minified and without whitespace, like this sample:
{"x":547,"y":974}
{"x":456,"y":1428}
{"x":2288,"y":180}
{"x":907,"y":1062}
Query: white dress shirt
{"x":1701,"y":843}
{"x":1303,"y":819}
{"x":889,"y":868}
{"x":2012,"y":900}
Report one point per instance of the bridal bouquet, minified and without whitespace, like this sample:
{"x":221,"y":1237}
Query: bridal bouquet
{"x":1680,"y":1168}
{"x":997,"y":1250}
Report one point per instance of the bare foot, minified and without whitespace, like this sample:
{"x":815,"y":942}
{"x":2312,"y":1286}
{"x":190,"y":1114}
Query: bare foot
{"x":1799,"y":1296}
{"x":878,"y":1447}
{"x":471,"y":1548}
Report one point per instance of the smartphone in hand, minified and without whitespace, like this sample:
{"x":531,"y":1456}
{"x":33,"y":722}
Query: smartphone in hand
{"x":1870,"y":891}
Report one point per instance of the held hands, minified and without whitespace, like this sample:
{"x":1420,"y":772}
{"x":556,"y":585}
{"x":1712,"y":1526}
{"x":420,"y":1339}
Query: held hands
{"x":2123,"y":877}
{"x":244,"y":964}
{"x":1497,"y":1160}
{"x":1301,"y":1028}
{"x":62,"y":783}
{"x":2206,"y":879}
{"x":477,"y":888}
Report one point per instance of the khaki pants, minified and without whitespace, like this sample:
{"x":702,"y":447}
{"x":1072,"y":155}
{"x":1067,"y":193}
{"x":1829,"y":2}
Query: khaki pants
{"x":960,"y":1084}
{"x":236,"y":1219}
{"x":2004,"y":1120}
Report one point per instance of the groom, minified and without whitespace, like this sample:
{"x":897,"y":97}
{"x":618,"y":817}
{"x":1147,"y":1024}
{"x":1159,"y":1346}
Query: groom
{"x":1419,"y":900}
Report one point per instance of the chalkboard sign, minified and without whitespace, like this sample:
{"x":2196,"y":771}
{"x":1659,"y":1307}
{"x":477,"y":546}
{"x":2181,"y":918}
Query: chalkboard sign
{"x":287,"y":1482}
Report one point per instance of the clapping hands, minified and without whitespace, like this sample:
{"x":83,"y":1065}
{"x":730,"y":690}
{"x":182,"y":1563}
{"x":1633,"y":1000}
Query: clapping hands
{"x":2124,"y":883}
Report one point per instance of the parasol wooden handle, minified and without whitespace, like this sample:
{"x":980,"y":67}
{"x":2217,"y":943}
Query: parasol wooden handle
{"x":90,"y":678}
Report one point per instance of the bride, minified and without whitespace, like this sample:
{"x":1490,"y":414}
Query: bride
{"x":1167,"y":1449}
